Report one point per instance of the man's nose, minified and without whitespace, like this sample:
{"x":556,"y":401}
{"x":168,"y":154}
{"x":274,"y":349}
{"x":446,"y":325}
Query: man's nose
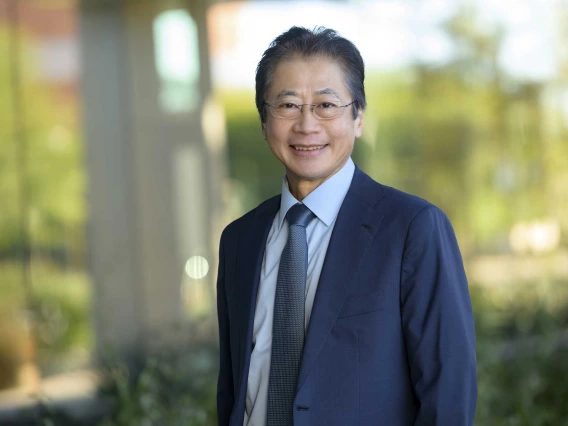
{"x":307,"y":122}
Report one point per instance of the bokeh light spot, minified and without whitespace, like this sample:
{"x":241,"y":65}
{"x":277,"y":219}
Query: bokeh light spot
{"x":197,"y":267}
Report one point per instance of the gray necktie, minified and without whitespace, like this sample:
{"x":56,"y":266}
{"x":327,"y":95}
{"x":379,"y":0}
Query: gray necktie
{"x":289,"y":317}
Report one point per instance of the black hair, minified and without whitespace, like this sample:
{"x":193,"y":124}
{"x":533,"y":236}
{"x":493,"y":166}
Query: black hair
{"x":305,"y":43}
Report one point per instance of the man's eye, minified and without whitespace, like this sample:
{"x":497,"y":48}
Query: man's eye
{"x":326,"y":105}
{"x":287,"y":106}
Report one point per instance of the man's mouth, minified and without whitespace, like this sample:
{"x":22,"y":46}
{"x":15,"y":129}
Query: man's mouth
{"x":307,"y":148}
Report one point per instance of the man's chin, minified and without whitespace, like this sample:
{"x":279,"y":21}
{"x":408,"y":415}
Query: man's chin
{"x":309,"y":174}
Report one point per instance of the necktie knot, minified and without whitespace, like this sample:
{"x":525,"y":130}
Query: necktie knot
{"x":299,"y":215}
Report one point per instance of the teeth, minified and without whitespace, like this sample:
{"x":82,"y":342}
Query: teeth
{"x":301,"y":148}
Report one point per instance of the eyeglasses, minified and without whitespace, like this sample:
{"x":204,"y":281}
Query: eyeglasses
{"x":322,"y":110}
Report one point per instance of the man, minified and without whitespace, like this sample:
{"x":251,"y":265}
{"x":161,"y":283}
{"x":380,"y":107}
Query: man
{"x":342,"y":301}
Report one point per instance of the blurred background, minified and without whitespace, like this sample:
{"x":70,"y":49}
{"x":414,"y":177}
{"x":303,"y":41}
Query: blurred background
{"x":129,"y":139}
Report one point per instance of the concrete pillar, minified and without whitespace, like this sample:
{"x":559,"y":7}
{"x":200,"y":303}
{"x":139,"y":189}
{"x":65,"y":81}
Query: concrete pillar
{"x":154,"y":178}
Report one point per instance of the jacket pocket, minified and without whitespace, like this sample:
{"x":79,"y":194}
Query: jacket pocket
{"x":363,"y":304}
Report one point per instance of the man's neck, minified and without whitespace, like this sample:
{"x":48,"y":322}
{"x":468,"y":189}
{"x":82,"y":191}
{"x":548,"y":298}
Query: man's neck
{"x":301,"y":188}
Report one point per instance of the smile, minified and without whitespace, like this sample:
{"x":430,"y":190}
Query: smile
{"x":308,"y":148}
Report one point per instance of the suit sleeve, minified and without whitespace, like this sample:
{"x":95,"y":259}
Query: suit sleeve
{"x":438,"y":323}
{"x":225,"y":395}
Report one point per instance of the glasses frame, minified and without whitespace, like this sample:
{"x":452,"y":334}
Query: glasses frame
{"x":301,"y":108}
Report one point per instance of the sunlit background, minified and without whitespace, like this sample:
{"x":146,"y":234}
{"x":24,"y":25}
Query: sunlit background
{"x":129,"y":139}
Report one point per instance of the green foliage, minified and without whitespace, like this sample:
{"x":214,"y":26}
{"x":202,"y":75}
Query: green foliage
{"x":40,"y":156}
{"x":63,"y":325}
{"x":522,"y":354}
{"x":175,"y":388}
{"x":525,"y":309}
{"x":528,"y":390}
{"x":60,"y":316}
{"x":49,"y":415}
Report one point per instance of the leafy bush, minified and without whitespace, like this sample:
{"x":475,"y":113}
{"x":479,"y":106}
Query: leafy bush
{"x":175,"y":388}
{"x":528,"y":390}
{"x":522,"y":354}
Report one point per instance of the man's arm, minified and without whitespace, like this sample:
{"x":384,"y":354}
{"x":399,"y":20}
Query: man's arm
{"x":225,"y":396}
{"x":438,"y":323}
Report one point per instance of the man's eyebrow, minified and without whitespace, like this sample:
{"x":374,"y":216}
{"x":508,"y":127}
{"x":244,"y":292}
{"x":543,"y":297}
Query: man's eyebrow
{"x":327,"y":91}
{"x":286,"y":93}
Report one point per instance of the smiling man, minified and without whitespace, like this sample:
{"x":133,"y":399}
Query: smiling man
{"x":340,"y":301}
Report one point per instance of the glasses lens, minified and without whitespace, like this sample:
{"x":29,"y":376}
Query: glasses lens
{"x":327,"y":110}
{"x":285,"y":110}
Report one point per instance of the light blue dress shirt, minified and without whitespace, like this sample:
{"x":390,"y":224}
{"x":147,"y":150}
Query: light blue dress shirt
{"x":325,"y":202}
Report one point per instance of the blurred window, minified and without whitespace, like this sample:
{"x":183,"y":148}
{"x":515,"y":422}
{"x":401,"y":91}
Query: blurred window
{"x":177,"y":61}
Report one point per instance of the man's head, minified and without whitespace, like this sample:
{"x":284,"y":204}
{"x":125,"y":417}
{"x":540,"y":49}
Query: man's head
{"x":310,"y":96}
{"x":300,"y":42}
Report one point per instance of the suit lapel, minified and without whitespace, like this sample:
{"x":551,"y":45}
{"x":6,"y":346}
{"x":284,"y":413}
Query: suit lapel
{"x":252,"y":243}
{"x":355,"y":228}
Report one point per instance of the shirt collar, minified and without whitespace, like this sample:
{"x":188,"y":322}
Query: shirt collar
{"x":324,"y":201}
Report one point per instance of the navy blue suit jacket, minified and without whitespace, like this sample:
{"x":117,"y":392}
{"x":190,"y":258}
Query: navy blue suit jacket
{"x":391,"y":339}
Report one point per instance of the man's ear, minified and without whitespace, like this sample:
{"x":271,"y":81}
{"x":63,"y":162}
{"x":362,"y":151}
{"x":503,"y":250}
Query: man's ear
{"x":263,"y":126}
{"x":358,"y":124}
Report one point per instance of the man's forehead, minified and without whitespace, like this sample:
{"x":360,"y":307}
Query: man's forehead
{"x":308,"y":76}
{"x":325,"y":91}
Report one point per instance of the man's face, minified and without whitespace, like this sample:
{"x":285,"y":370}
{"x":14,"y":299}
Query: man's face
{"x":310,"y":81}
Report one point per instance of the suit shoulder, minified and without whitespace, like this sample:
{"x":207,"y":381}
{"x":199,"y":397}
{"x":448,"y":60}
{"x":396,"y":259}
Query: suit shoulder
{"x":407,"y":206}
{"x":404,"y":200}
{"x":418,"y":211}
{"x":397,"y":204}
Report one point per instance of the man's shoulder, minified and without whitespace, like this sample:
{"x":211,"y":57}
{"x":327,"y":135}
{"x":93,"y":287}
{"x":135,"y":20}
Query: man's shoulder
{"x":233,"y":228}
{"x":391,"y":198}
{"x":404,"y":210}
{"x":405,"y":201}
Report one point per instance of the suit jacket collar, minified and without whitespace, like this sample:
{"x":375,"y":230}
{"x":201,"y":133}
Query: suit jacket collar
{"x":356,"y":226}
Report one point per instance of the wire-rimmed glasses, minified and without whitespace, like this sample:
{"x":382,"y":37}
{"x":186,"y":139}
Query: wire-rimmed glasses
{"x":324,"y":110}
